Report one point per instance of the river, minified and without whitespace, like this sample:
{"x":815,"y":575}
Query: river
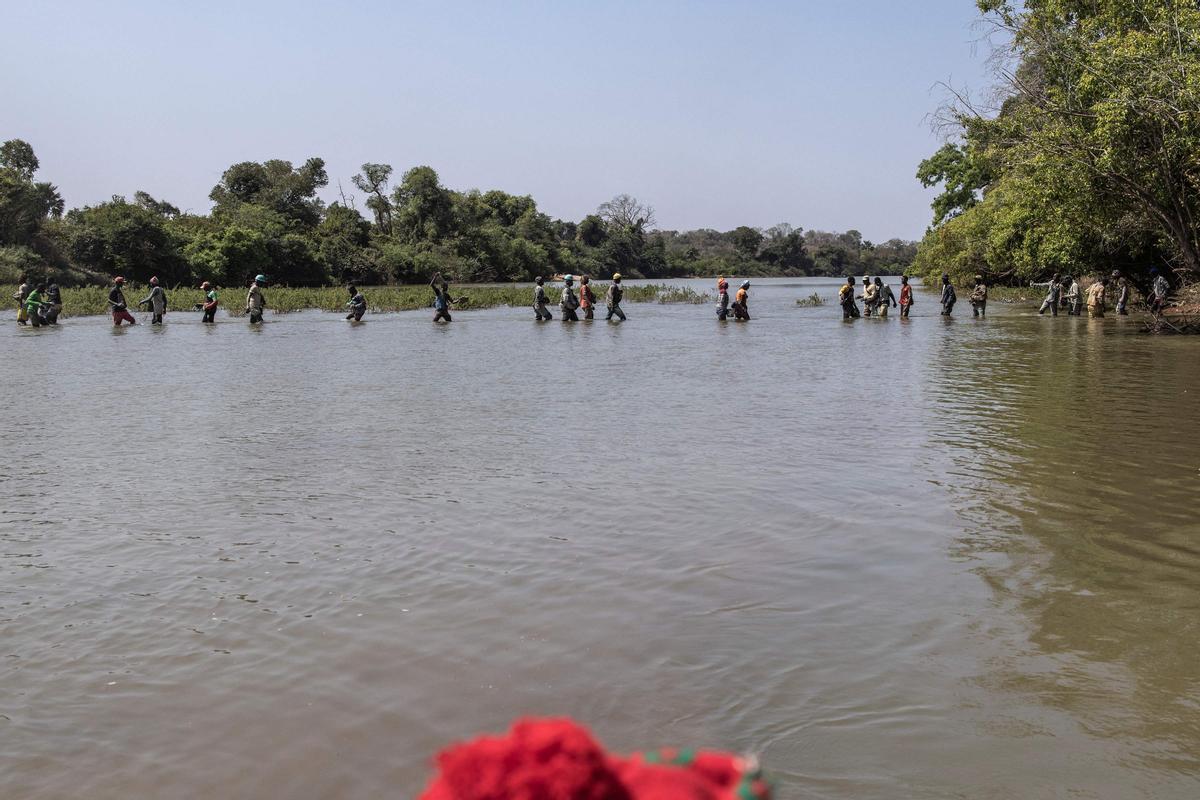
{"x":926,"y":558}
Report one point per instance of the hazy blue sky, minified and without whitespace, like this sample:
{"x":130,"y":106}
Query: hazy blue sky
{"x":716,"y":113}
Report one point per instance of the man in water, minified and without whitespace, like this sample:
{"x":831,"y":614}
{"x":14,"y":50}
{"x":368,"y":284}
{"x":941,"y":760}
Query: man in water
{"x":116,"y":302}
{"x":33,"y":306}
{"x":741,"y":302}
{"x":906,"y":296}
{"x":869,"y":297}
{"x":979,"y":298}
{"x":1074,"y":297}
{"x":587,"y":300}
{"x":210,"y":302}
{"x":20,"y":295}
{"x":846,"y":297}
{"x":540,"y":300}
{"x":53,"y":306}
{"x":357,"y":304}
{"x":1122,"y":286}
{"x":1053,"y":293}
{"x":568,"y":302}
{"x":884,"y":296}
{"x":1095,"y":297}
{"x":1159,"y":289}
{"x":157,"y":301}
{"x":256,"y":301}
{"x":441,"y":298}
{"x":949,"y":298}
{"x":722,"y":299}
{"x":613,"y":298}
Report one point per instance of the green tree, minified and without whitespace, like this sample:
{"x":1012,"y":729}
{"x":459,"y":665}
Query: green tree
{"x":275,"y":184}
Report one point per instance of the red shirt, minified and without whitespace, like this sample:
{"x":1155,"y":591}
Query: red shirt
{"x":906,"y":295}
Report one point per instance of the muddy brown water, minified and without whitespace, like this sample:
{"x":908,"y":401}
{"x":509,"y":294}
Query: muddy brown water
{"x":895,"y":559}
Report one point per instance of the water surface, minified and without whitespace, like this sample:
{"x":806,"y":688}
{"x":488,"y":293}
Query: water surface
{"x":919,"y":558}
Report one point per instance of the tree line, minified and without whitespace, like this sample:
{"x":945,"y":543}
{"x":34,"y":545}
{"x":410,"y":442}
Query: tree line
{"x":268,"y":218}
{"x":1088,"y":157}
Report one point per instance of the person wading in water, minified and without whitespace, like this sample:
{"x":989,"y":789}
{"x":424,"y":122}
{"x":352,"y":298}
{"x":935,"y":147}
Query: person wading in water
{"x":116,"y":302}
{"x":256,"y":301}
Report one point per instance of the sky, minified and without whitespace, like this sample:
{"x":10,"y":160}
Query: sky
{"x":717,"y":114}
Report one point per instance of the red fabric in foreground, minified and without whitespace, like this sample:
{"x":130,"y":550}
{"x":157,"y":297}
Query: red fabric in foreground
{"x":557,"y":759}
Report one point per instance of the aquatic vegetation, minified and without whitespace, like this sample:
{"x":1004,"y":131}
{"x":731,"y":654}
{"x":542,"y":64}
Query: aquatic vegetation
{"x":679,"y":294}
{"x":88,"y":300}
{"x":811,"y":301}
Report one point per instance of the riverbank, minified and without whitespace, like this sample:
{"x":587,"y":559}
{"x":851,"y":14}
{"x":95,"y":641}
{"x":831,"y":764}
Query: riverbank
{"x":92,"y":300}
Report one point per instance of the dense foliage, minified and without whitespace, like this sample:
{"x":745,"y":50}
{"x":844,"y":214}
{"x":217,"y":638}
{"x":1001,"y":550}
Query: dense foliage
{"x":268,"y":218}
{"x":1091,"y":159}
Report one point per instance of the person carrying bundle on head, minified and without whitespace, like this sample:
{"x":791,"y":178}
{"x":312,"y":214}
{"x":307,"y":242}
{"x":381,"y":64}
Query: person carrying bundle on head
{"x":722,"y":299}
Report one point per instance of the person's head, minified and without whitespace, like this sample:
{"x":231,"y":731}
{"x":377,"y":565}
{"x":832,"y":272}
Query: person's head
{"x":904,"y":279}
{"x":979,"y":279}
{"x":261,"y":280}
{"x":1154,"y":270}
{"x":154,"y":281}
{"x":206,"y":286}
{"x":878,"y":281}
{"x":568,"y":279}
{"x":539,"y":280}
{"x":23,"y":278}
{"x":584,"y":280}
{"x":1104,"y":280}
{"x":1055,"y":277}
{"x":945,"y":278}
{"x":352,"y":289}
{"x":119,"y":281}
{"x":850,"y":280}
{"x":866,"y":280}
{"x":616,"y":277}
{"x":722,"y":285}
{"x":1116,"y":274}
{"x":41,"y":287}
{"x":1067,"y":279}
{"x":745,"y":284}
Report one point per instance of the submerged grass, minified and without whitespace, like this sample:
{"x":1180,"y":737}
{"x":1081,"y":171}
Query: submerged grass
{"x":88,"y":300}
{"x":811,"y":301}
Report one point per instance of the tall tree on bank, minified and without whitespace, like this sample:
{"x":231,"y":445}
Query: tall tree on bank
{"x":1092,"y":157}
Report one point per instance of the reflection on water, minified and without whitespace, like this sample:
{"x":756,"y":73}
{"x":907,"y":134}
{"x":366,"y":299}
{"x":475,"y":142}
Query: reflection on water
{"x":897,"y":558}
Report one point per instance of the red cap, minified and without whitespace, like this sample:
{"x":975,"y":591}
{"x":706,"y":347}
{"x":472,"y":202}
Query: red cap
{"x":118,"y":279}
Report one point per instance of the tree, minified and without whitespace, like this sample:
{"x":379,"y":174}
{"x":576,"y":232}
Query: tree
{"x":1098,"y":131}
{"x":160,"y":207}
{"x":374,"y":180}
{"x":625,"y":211}
{"x":591,"y":231}
{"x":119,"y":237}
{"x":276,"y":185}
{"x":17,"y":155}
{"x":424,"y":209}
{"x":746,"y":240}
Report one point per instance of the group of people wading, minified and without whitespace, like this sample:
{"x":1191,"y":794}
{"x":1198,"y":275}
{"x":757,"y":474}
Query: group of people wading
{"x":40,"y":304}
{"x":156,"y":302}
{"x":1064,"y":292}
{"x":569,"y":303}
